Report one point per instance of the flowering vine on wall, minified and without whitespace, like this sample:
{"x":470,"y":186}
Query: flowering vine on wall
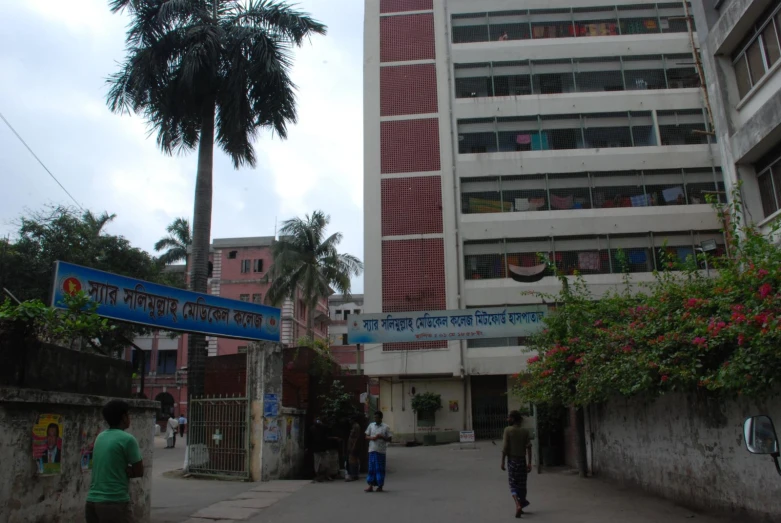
{"x":683,"y":332}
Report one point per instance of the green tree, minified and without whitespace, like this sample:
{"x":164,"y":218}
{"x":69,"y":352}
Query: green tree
{"x":306,"y":261}
{"x":64,"y":234}
{"x":176,"y":243}
{"x":206,"y":71}
{"x":338,"y":407}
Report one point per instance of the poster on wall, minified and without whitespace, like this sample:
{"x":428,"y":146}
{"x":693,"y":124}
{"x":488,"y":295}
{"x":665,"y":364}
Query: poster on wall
{"x":47,"y":444}
{"x":270,"y":430}
{"x":87,"y":444}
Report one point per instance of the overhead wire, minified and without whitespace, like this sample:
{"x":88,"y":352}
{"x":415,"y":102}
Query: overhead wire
{"x":39,"y":161}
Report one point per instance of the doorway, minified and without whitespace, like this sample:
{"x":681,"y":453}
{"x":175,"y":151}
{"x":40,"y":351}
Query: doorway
{"x":489,"y":406}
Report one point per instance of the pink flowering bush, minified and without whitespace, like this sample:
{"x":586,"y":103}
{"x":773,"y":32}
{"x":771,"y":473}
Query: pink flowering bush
{"x":683,"y":332}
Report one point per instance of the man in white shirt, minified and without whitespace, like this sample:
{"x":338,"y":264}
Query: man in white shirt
{"x":170,"y":433}
{"x":379,"y":435}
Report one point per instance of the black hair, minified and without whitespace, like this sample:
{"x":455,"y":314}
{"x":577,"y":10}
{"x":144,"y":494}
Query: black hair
{"x":515,"y":416}
{"x":56,"y":427}
{"x":378,"y":413}
{"x":113,"y":412}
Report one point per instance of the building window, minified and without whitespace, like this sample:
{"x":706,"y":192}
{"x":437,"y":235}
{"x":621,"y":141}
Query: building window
{"x":769,"y":180}
{"x":232,"y":255}
{"x":257,"y":266}
{"x":301,"y":310}
{"x":575,"y":75}
{"x":244,"y":297}
{"x":136,"y":360}
{"x":257,"y":298}
{"x":594,"y":190}
{"x":615,"y":254}
{"x":166,"y":362}
{"x":242,"y":349}
{"x":759,"y":51}
{"x":245,"y":265}
{"x":344,"y":339}
{"x":568,"y":23}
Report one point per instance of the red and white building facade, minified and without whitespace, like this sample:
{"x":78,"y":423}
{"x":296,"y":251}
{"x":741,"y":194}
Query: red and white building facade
{"x":496,"y":130}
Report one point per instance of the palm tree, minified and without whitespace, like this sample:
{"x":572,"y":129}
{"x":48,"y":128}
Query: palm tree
{"x":95,"y":223}
{"x":176,"y":243}
{"x":202,"y":71}
{"x":306,"y":261}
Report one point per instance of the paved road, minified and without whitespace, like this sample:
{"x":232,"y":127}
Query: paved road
{"x":173,"y":498}
{"x":424,"y":484}
{"x":448,"y":484}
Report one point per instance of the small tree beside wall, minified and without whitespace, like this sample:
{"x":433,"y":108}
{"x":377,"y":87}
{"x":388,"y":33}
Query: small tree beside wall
{"x":426,"y":406}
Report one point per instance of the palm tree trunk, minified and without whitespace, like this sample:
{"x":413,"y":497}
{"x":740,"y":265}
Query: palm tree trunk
{"x":202,"y":222}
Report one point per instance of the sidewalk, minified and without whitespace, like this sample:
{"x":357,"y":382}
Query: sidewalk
{"x":430,"y":484}
{"x":175,"y":498}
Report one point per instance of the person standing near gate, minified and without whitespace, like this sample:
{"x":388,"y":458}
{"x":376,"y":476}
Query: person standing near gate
{"x":379,"y":435}
{"x":170,"y":432}
{"x":116,"y":458}
{"x":182,"y":425}
{"x":517,"y":453}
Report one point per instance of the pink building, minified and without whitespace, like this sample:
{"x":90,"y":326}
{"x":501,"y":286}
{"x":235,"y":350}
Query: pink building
{"x":239,"y":271}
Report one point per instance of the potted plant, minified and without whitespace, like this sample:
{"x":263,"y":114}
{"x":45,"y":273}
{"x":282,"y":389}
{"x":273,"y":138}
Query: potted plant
{"x":425,"y":406}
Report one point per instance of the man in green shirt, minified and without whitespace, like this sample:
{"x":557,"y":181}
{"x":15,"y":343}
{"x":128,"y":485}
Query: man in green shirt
{"x":116,"y":459}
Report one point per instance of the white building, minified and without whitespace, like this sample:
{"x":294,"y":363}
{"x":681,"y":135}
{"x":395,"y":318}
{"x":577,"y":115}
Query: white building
{"x":500,"y":129}
{"x":739,"y":41}
{"x":340,"y":310}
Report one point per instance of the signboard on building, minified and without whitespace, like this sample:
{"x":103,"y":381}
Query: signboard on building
{"x":162,"y":307}
{"x":466,"y":436}
{"x":497,"y":322}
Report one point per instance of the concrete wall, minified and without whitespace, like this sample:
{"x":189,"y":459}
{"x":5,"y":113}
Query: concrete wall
{"x":395,"y":403}
{"x":688,"y":450}
{"x":277,"y":446}
{"x":26,"y":497}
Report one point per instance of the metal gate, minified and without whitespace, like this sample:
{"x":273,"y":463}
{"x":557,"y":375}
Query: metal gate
{"x":219,"y":437}
{"x":489,"y":416}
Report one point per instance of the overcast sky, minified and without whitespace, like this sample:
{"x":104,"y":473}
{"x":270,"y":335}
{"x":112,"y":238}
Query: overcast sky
{"x":55,"y":57}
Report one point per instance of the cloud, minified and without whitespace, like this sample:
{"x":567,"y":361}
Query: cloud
{"x":56,"y":58}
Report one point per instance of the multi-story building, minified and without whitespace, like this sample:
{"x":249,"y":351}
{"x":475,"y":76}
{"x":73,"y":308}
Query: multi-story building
{"x":739,"y":43}
{"x":341,"y":308}
{"x":502,"y":129}
{"x":238,"y":270}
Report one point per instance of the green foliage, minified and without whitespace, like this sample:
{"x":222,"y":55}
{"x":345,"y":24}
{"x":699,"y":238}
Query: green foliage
{"x":684,"y":332}
{"x":428,"y":402}
{"x":186,"y":59}
{"x":62,"y":233}
{"x":323,"y":361}
{"x":338,"y":406}
{"x":306,"y":261}
{"x":176,"y":243}
{"x":67,"y":327}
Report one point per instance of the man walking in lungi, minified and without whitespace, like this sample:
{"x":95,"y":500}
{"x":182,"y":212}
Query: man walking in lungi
{"x":379,"y":435}
{"x":517,"y":451}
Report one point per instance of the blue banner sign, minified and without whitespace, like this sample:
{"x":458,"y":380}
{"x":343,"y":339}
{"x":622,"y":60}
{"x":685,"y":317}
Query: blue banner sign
{"x":496,"y":322}
{"x":168,"y":308}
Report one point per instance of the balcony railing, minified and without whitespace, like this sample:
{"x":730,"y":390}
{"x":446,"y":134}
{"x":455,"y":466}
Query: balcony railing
{"x":615,"y":254}
{"x":582,"y":131}
{"x":577,"y":75}
{"x":597,"y":190}
{"x":653,"y":18}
